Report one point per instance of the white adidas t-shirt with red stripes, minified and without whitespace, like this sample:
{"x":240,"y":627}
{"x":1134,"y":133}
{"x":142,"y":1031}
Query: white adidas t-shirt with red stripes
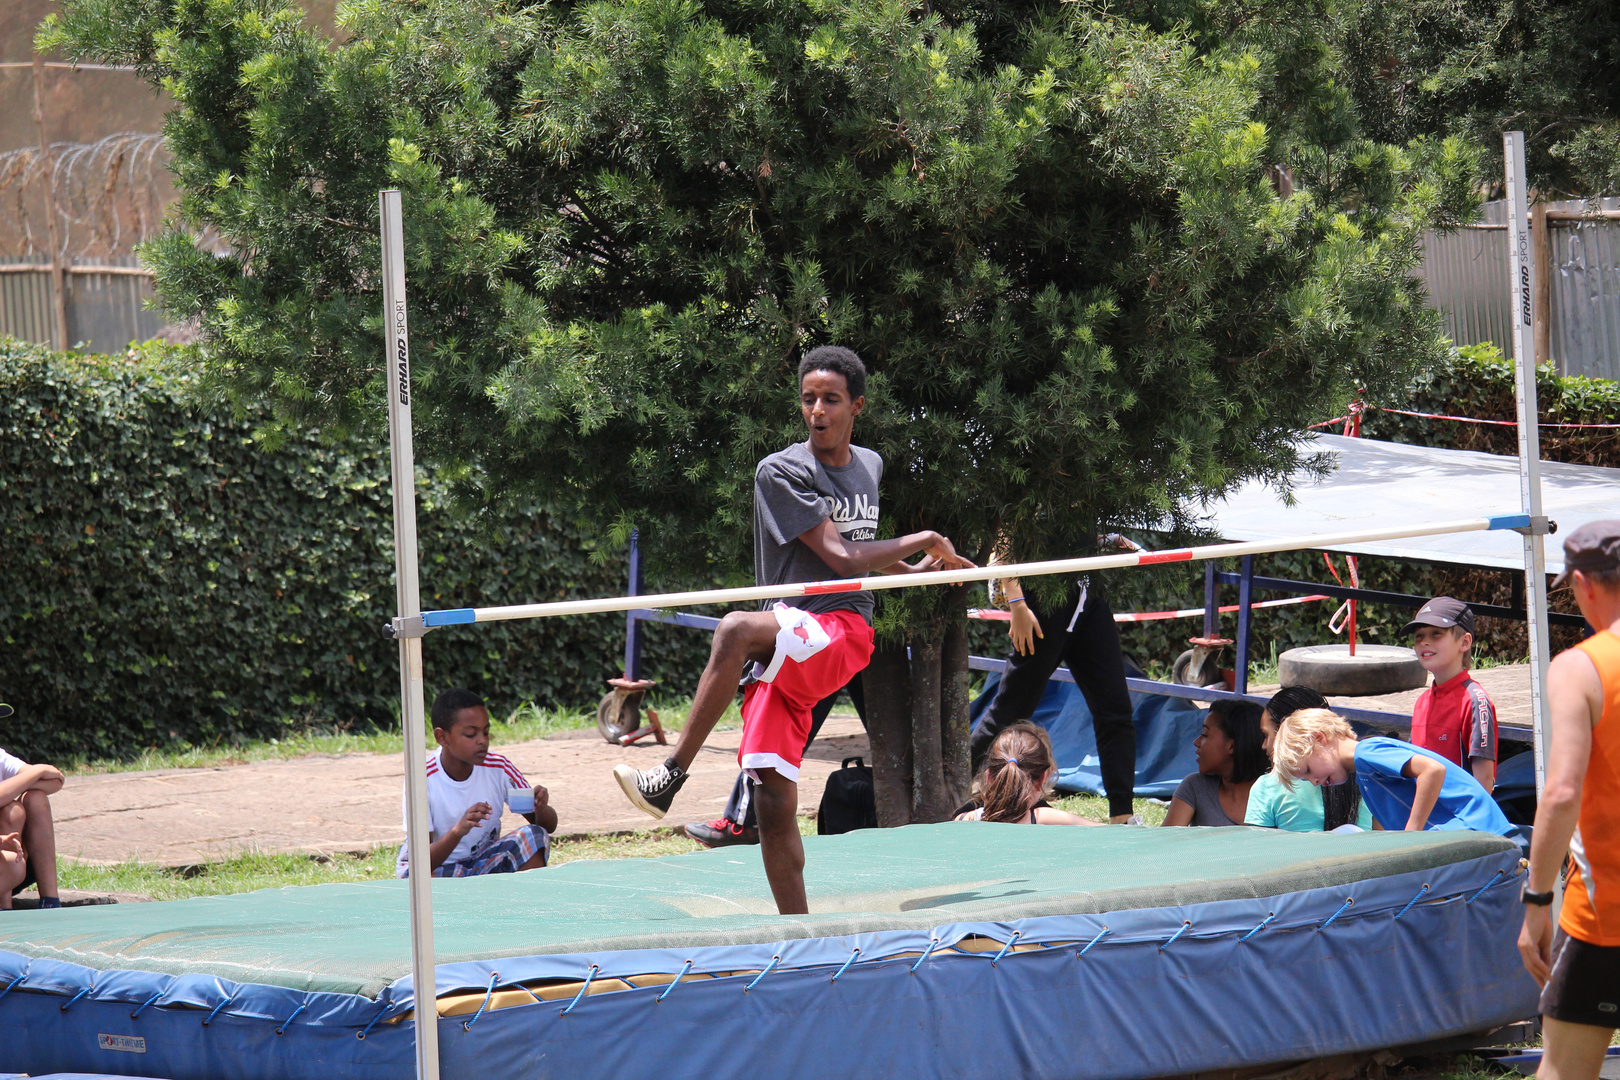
{"x":448,"y":799}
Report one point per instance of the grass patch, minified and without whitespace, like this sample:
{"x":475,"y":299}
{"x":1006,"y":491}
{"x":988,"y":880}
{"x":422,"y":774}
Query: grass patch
{"x":1095,"y":808}
{"x":241,"y":873}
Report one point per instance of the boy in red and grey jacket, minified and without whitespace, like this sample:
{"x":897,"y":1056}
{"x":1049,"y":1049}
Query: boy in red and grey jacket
{"x":1454,"y":717}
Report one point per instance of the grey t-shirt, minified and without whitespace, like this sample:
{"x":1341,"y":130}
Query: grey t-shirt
{"x":793,"y":493}
{"x":1203,"y":794}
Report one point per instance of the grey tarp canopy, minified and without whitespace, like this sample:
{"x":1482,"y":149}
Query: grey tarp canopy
{"x":1377,"y":482}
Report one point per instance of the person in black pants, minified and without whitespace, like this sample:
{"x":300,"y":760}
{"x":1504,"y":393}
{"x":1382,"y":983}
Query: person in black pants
{"x":738,"y":825}
{"x":1079,"y":631}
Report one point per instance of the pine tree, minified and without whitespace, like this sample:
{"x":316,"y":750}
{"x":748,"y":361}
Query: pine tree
{"x":1100,"y":271}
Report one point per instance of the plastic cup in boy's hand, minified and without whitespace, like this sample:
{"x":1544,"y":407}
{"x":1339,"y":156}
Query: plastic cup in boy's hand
{"x":520,"y":801}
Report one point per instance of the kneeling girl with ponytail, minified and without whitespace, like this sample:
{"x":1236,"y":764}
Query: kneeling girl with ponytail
{"x":1013,"y":785}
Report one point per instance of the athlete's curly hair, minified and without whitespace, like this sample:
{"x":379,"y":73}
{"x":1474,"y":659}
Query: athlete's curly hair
{"x":840,"y":361}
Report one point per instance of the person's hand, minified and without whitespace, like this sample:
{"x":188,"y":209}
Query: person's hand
{"x":44,"y":774}
{"x":1535,"y":942}
{"x":1024,"y":630}
{"x":1119,"y":542}
{"x":971,"y":815}
{"x":474,"y":816}
{"x":11,"y":844}
{"x":945,"y":553}
{"x":541,"y":797}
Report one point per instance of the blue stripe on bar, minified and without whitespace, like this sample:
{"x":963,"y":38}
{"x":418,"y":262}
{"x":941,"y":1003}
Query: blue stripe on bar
{"x":1508,"y":521}
{"x":458,"y":616}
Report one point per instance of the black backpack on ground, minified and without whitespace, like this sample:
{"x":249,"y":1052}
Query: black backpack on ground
{"x":849,"y":801}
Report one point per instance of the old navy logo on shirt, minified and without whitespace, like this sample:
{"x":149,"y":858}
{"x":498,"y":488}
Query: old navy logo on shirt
{"x":855,"y":519}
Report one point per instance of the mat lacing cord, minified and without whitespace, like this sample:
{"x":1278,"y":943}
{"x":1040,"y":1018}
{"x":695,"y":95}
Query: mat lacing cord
{"x":136,"y":1015}
{"x":210,"y":1017}
{"x":590,"y":976}
{"x":494,"y":977}
{"x":1184,"y":927}
{"x":677,"y":981}
{"x":363,"y":1032}
{"x":1342,"y":908}
{"x":1016,"y":935}
{"x":1485,"y":886}
{"x":75,"y":997}
{"x":13,"y":984}
{"x":1414,"y":900}
{"x":282,"y":1030}
{"x":1094,"y":941}
{"x":774,"y":961}
{"x":854,"y":955}
{"x":1269,"y":916}
{"x":932,"y":942}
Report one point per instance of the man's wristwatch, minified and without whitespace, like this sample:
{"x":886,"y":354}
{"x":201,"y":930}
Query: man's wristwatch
{"x":1540,"y":899}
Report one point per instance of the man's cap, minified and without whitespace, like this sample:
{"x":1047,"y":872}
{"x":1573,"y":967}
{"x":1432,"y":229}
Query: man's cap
{"x":1446,"y":611}
{"x":1593,"y":546}
{"x":5,"y":711}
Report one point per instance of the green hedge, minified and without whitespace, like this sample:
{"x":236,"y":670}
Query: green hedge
{"x":1475,"y":382}
{"x":166,"y":578}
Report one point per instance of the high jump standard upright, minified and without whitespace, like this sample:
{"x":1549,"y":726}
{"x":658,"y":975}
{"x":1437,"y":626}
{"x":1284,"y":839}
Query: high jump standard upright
{"x":1521,"y":286}
{"x":408,"y":602}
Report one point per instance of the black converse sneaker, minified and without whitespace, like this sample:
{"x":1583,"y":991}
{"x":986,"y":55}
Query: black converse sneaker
{"x":651,"y":789}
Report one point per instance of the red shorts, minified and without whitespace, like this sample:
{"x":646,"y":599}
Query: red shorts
{"x":816,"y":655}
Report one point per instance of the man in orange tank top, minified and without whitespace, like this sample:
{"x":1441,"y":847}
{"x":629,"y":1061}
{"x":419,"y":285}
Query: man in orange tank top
{"x":1579,"y":814}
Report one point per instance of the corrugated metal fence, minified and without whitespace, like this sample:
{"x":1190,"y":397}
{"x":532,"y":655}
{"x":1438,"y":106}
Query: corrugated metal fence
{"x":1466,"y":274}
{"x":105,"y":305}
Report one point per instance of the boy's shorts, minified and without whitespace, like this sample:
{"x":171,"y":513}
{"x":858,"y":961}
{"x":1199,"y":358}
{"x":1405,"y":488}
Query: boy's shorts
{"x":504,"y":856}
{"x":815,"y":656}
{"x":1585,"y":984}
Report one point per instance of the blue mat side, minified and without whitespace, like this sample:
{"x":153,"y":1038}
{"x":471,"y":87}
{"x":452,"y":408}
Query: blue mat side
{"x":1164,"y":991}
{"x":1165,"y":730}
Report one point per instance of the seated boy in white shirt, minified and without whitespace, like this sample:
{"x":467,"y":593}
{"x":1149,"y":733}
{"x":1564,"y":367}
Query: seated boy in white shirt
{"x":467,"y":786}
{"x":27,"y":835}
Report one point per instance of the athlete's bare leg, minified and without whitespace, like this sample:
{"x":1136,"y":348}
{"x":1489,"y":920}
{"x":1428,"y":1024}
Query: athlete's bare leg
{"x":776,"y":801}
{"x":1572,"y":1051}
{"x":741,"y":638}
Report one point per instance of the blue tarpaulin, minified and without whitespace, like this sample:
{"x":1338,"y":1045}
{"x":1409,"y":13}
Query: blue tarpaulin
{"x":1165,"y":730}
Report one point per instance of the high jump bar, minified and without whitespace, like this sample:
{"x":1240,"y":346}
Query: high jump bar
{"x":464,"y":616}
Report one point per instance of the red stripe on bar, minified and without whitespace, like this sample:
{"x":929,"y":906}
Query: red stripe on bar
{"x":832,"y":586}
{"x":1150,"y":557}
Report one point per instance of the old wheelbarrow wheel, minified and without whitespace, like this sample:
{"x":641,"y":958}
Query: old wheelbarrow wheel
{"x":619,"y":712}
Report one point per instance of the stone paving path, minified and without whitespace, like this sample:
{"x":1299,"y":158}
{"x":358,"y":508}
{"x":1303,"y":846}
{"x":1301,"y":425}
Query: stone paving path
{"x":351,"y":803}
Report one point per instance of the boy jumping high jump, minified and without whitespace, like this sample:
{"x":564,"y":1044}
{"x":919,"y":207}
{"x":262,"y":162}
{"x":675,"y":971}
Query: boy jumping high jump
{"x":815,"y":519}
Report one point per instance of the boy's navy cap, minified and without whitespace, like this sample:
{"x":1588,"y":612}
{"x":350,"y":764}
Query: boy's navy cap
{"x":5,"y":711}
{"x":1441,"y":611}
{"x":1593,"y":546}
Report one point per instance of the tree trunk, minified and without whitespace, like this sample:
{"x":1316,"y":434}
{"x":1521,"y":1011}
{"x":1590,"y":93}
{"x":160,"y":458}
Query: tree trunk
{"x":927,"y":758}
{"x":917,"y":719}
{"x":954,"y":700}
{"x":887,"y":683}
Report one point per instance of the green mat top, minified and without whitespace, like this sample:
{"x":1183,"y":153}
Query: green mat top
{"x":355,"y":938}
